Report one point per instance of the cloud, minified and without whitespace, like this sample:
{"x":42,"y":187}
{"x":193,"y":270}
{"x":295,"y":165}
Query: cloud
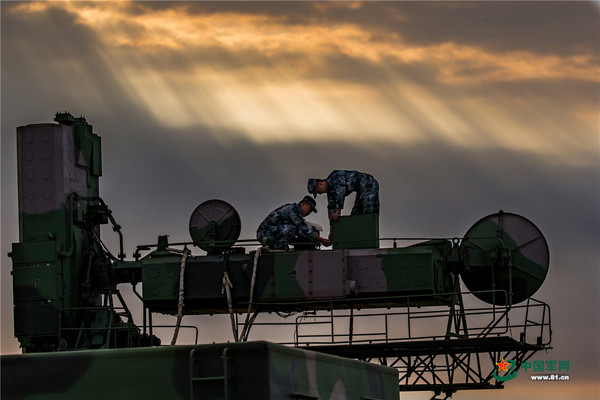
{"x":458,"y":109}
{"x":275,"y":36}
{"x":309,"y":74}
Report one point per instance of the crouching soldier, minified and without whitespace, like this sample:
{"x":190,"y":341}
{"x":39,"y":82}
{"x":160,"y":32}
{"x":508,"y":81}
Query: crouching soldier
{"x":286,"y":224}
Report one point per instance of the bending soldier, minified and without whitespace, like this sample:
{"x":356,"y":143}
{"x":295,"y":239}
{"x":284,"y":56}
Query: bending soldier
{"x":339,"y":184}
{"x":286,"y":224}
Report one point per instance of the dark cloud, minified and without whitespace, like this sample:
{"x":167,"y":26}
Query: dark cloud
{"x":561,"y":27}
{"x":51,"y":59}
{"x":155,"y":175}
{"x":57,"y":34}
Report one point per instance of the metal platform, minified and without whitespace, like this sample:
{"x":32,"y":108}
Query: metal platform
{"x":442,"y":366}
{"x":458,"y":352}
{"x":426,"y":347}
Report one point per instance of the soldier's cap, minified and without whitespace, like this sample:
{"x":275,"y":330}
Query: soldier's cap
{"x":312,"y":186}
{"x":311,"y":202}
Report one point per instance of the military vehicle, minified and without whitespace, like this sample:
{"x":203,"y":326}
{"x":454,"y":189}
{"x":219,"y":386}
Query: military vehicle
{"x":79,"y":338}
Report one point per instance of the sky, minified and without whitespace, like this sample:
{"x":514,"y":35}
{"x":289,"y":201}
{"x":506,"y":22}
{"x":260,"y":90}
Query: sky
{"x":459,"y":109}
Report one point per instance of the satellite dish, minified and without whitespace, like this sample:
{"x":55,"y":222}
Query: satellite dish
{"x":507,"y":259}
{"x":215,"y":226}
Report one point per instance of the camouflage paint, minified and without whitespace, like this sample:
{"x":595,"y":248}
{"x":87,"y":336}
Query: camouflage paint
{"x":363,"y":277}
{"x":252,"y":370}
{"x":510,"y":256}
{"x":59,"y":166}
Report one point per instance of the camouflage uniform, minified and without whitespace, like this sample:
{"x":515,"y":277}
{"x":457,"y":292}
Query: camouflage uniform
{"x":342,"y":183}
{"x":283,"y":225}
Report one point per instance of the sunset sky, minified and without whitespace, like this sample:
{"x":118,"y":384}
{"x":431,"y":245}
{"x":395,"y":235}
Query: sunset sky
{"x":459,"y":109}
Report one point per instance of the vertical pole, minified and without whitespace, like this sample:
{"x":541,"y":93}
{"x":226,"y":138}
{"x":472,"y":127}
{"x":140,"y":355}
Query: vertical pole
{"x":332,"y":330}
{"x":191,"y":370}
{"x":407,"y":316}
{"x":351,"y":325}
{"x":225,"y":373}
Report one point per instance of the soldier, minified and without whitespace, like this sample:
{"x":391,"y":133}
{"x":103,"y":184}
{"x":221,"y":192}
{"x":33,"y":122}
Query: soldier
{"x":339,"y":184}
{"x":286,"y":223}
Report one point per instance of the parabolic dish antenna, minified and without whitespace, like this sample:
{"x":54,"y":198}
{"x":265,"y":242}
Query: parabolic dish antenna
{"x":215,"y":226}
{"x":508,"y":259}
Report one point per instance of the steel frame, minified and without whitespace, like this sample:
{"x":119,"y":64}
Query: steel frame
{"x":463,"y":357}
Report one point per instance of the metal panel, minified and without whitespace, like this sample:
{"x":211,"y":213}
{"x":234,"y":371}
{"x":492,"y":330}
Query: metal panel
{"x":47,"y":165}
{"x":410,"y":269}
{"x":356,"y":232}
{"x":364,"y":267}
{"x":30,"y":253}
{"x":285,"y":281}
{"x":36,"y":320}
{"x":327,"y":274}
{"x":35,"y":283}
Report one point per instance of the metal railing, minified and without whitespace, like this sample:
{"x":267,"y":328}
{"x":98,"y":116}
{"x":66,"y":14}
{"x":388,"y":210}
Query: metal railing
{"x":356,"y":325}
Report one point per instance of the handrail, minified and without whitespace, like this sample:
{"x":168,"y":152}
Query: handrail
{"x":489,"y":321}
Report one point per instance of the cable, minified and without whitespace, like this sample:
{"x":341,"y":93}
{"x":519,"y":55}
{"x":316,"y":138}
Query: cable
{"x":186,"y":253}
{"x":247,"y":325}
{"x":227,"y":285}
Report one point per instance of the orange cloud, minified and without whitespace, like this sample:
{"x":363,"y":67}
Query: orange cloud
{"x":177,"y":29}
{"x":272,"y":80}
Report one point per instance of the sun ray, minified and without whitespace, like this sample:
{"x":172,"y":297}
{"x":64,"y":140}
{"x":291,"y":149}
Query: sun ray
{"x":274,"y":81}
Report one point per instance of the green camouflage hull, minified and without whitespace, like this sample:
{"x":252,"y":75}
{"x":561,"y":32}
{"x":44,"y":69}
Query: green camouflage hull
{"x":358,"y":277}
{"x":244,"y":371}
